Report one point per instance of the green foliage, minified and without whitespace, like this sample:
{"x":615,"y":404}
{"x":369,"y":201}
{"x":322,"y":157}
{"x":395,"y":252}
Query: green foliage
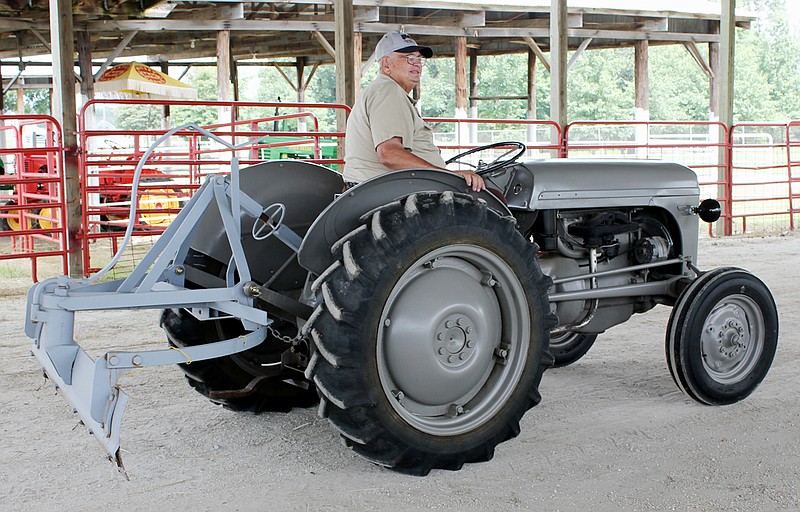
{"x":37,"y":101}
{"x":10,"y":102}
{"x":138,"y":117}
{"x":437,"y":89}
{"x":755,"y":97}
{"x":503,"y":75}
{"x":204,"y":80}
{"x":771,"y":55}
{"x":679,"y":90}
{"x":267,"y":85}
{"x":601,"y":86}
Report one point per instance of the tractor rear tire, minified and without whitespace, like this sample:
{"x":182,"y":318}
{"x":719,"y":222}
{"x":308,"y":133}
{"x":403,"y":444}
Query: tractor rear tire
{"x":224,"y":379}
{"x":432,"y":337}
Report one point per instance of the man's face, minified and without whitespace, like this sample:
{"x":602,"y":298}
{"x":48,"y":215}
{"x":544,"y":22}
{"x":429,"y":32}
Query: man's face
{"x":404,"y":68}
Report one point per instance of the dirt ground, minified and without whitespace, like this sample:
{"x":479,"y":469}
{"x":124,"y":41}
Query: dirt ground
{"x":612,"y":432}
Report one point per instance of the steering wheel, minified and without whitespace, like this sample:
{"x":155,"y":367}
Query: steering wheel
{"x":517,"y":148}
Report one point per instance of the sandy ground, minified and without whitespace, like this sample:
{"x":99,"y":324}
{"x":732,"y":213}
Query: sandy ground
{"x":613,"y":432}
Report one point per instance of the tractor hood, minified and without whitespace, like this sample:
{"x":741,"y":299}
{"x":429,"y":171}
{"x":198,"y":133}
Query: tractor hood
{"x":565,"y":183}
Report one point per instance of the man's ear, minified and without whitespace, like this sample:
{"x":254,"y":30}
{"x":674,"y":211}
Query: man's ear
{"x":384,"y":64}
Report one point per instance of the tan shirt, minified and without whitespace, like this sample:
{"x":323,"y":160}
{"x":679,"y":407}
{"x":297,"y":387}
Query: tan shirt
{"x":384,"y":111}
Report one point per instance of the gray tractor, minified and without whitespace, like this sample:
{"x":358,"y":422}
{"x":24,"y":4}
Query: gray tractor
{"x":419,"y":314}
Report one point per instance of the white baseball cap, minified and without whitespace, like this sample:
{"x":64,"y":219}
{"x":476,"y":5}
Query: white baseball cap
{"x":396,"y":42}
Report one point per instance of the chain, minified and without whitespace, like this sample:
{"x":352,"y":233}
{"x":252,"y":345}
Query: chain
{"x":285,"y":339}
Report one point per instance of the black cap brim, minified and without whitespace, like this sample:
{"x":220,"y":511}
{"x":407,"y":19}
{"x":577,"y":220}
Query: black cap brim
{"x":425,"y":51}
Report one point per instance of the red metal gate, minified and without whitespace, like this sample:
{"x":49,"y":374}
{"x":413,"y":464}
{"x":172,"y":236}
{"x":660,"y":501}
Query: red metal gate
{"x":32,"y":208}
{"x":793,"y":167}
{"x":761,"y":180}
{"x":108,"y":157}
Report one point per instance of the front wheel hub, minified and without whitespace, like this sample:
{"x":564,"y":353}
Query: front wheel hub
{"x":730,"y":339}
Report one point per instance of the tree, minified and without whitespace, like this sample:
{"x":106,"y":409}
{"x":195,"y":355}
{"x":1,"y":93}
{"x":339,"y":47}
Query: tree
{"x":774,"y":48}
{"x":756,"y":95}
{"x":138,"y":117}
{"x":601,"y":85}
{"x":37,"y":101}
{"x":679,"y":90}
{"x":204,"y":80}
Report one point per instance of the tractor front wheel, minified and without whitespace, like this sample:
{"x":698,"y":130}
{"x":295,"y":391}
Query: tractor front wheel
{"x":722,"y":336}
{"x":567,"y":348}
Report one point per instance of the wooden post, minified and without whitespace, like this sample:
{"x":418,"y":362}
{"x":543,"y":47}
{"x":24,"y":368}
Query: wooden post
{"x":461,"y":88}
{"x":642,"y":102}
{"x":85,"y":64}
{"x":726,"y":54}
{"x":726,"y":57}
{"x":461,"y":76}
{"x":165,"y":114}
{"x":345,"y":61}
{"x":300,"y":69}
{"x":531,"y":109}
{"x":358,"y":43}
{"x":235,"y":80}
{"x":473,"y":93}
{"x":84,"y":48}
{"x":20,"y":95}
{"x":713,"y":87}
{"x":642,"y":81}
{"x":558,"y":65}
{"x":64,"y":110}
{"x":224,"y":73}
{"x":345,"y":64}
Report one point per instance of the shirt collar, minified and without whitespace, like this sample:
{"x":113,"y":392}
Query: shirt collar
{"x":381,"y":76}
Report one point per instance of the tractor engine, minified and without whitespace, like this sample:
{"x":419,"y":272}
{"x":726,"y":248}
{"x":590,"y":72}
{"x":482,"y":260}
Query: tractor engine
{"x":588,"y":244}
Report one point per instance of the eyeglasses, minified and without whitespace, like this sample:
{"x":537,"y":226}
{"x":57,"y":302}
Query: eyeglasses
{"x":416,"y":59}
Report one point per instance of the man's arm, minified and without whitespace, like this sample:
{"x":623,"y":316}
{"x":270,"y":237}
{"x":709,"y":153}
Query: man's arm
{"x":394,"y":155}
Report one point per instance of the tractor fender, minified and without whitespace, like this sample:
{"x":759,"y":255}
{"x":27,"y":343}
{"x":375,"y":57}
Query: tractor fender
{"x":344,"y":214}
{"x":304,"y":188}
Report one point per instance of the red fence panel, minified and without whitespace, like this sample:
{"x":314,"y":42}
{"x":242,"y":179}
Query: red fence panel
{"x":115,"y":134}
{"x":455,"y":135}
{"x":753,"y":169}
{"x":793,"y":169}
{"x":32,"y":206}
{"x":700,"y":145}
{"x":761,"y":176}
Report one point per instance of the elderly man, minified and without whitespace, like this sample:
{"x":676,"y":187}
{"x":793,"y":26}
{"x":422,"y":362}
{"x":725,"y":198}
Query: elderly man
{"x":384,"y":131}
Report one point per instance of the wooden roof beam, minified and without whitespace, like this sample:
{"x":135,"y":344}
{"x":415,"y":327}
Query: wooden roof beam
{"x":584,"y":44}
{"x":325,"y":44}
{"x":116,"y":53}
{"x":698,"y":57}
{"x":538,"y":52}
